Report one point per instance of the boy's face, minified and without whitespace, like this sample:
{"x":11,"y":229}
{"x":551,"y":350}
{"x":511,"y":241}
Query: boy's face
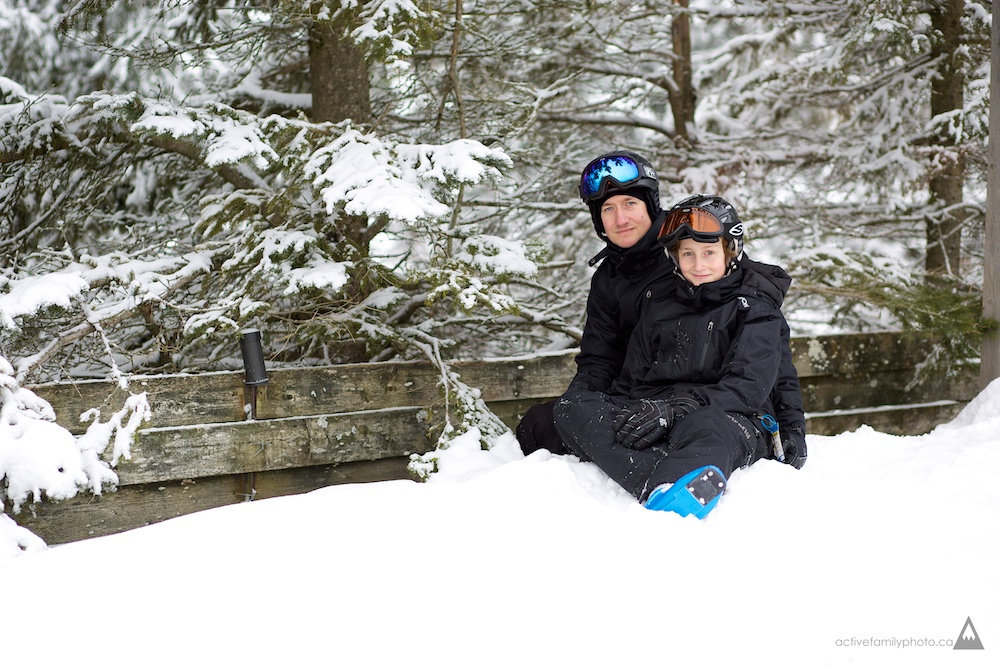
{"x":701,"y":262}
{"x":625,"y":220}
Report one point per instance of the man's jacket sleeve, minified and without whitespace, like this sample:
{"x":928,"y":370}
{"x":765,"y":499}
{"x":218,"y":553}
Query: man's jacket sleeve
{"x":602,"y":348}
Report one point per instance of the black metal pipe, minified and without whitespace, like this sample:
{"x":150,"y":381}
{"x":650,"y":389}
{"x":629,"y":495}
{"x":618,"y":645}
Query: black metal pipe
{"x":253,"y":358}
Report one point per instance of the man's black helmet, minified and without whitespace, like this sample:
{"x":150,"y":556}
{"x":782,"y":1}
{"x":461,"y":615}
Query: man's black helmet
{"x":617,"y":173}
{"x":704,"y":218}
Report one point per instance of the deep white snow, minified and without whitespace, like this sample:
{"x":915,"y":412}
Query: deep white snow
{"x":879,"y":547}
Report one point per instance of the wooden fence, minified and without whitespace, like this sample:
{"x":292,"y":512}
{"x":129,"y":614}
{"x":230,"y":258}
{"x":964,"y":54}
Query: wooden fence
{"x":360,"y":422}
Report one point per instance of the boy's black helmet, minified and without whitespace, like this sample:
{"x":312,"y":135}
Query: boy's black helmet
{"x":617,"y":173}
{"x":705,"y":218}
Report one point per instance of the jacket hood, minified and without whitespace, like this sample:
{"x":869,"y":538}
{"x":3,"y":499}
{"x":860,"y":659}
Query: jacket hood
{"x":775,"y":275}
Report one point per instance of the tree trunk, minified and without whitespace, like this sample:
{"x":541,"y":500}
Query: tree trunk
{"x":339,"y":73}
{"x":944,"y":234}
{"x":341,"y":91}
{"x":682,"y":99}
{"x":989,"y":368}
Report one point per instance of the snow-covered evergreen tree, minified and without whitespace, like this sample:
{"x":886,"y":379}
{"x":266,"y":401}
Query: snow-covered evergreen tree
{"x":184,"y":190}
{"x":165,"y":179}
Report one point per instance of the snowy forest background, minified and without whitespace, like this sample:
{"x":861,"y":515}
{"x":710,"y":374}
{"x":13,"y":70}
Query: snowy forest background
{"x":397,"y":180}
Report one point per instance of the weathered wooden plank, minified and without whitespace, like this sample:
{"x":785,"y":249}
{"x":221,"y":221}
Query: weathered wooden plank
{"x":850,"y":355}
{"x":890,"y":387}
{"x":520,"y":378}
{"x":129,"y":507}
{"x":275,"y":483}
{"x":133,"y":506}
{"x":175,"y":399}
{"x":178,"y":400}
{"x":370,"y":386}
{"x":347,"y":388}
{"x":897,"y":420}
{"x":241,"y":447}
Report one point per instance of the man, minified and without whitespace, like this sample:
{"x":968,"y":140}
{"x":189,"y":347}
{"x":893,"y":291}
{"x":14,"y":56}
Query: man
{"x":621,"y":190}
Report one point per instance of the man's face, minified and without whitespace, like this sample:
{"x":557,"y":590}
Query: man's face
{"x":625,"y":219}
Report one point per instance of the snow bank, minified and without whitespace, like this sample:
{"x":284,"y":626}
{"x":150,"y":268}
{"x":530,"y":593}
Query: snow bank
{"x":876,"y":553}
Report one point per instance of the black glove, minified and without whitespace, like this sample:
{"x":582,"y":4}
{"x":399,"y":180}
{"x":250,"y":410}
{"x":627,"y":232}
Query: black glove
{"x":646,"y":423}
{"x":794,"y":444}
{"x":683,"y":405}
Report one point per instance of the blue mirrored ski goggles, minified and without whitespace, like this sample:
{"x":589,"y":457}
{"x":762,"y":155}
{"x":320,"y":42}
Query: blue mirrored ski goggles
{"x":618,"y":170}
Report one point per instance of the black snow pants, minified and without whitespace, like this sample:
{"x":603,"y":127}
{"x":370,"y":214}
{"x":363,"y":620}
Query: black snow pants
{"x":708,"y":436}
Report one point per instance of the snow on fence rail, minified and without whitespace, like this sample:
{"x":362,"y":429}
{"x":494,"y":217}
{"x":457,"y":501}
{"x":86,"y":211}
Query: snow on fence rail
{"x":360,"y":422}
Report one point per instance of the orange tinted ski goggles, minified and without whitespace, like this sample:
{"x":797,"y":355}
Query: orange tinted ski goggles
{"x":694,"y":222}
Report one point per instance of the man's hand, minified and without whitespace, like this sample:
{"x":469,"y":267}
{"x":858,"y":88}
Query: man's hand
{"x":794,"y":444}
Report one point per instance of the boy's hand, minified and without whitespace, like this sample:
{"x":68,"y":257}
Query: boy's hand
{"x":645,"y":424}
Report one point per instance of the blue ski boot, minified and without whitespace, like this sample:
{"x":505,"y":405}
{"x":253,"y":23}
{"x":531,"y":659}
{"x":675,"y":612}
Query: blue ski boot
{"x":696,"y":493}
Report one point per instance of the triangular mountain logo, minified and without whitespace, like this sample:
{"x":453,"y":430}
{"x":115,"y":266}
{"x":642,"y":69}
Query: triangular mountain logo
{"x":969,"y":638}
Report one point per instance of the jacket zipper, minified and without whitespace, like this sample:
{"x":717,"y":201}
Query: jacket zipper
{"x":708,"y":339}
